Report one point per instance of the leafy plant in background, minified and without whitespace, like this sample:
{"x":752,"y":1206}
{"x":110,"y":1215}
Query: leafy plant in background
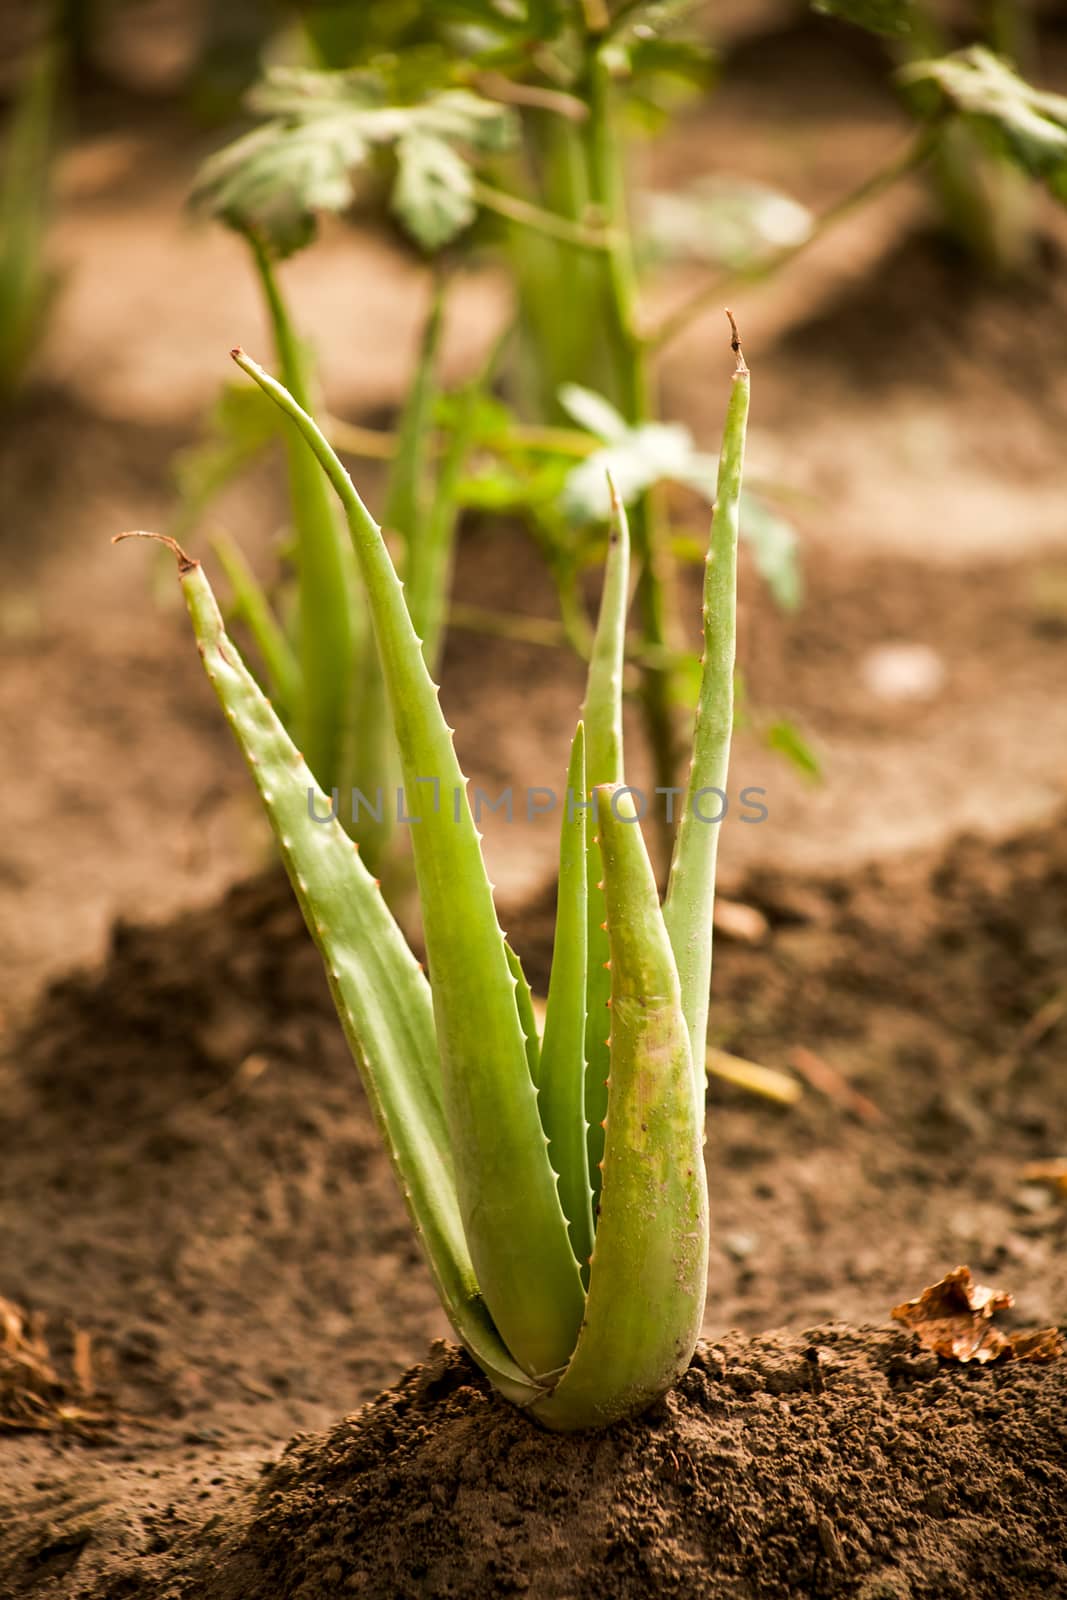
{"x":984,"y":192}
{"x":323,"y":669}
{"x":557,"y":1183}
{"x":510,"y":116}
{"x":27,"y":282}
{"x":991,"y":134}
{"x":1020,"y":123}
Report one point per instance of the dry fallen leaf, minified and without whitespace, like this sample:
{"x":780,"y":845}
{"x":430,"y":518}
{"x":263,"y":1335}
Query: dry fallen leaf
{"x":1054,"y":1172}
{"x":954,"y":1319}
{"x":765,"y":1081}
{"x":34,"y":1396}
{"x":833,"y":1084}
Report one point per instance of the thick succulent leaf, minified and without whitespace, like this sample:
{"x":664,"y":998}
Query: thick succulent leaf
{"x":561,"y":1082}
{"x":428,"y":581}
{"x":328,"y":596}
{"x":527,"y":1016}
{"x":381,"y":994}
{"x":602,"y":717}
{"x":406,"y":490}
{"x":511,"y":1211}
{"x":648,"y":1277}
{"x":691,"y":888}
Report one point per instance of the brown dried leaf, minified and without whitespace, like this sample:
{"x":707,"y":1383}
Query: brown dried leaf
{"x":828,"y":1081}
{"x":954,"y":1319}
{"x":34,"y":1396}
{"x":1038,"y":1344}
{"x":1054,"y":1172}
{"x":765,"y":1081}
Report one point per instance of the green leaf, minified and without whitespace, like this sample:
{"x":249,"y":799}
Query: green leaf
{"x":1031,"y":123}
{"x":332,"y":616}
{"x":407,"y":488}
{"x":690,"y":899}
{"x":381,"y":995}
{"x":434,"y":191}
{"x":602,"y":716}
{"x":251,"y":605}
{"x":645,"y":455}
{"x":275,"y":180}
{"x":877,"y":16}
{"x":787,"y":740}
{"x":648,"y":1276}
{"x":527,"y":1017}
{"x":561,"y":1084}
{"x":690,"y":61}
{"x":323,"y":127}
{"x":514,"y":1224}
{"x":657,"y":452}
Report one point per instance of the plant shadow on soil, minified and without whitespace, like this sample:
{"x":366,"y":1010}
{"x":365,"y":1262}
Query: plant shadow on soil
{"x":203,"y":1166}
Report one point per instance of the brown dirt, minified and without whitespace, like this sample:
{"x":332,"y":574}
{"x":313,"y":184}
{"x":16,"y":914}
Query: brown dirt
{"x":211,"y":1204}
{"x":191,"y":1189}
{"x":839,"y":1463}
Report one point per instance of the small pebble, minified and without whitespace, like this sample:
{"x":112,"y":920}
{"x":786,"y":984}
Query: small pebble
{"x":900,"y":673}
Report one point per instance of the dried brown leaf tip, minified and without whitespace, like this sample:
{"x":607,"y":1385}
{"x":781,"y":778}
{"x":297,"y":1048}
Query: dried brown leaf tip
{"x":954,"y":1319}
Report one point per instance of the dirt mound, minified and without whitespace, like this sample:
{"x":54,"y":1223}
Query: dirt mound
{"x":838,"y":1463}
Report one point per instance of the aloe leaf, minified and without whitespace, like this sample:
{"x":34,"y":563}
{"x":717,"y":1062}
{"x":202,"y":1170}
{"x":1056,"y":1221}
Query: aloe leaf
{"x":406,"y":490}
{"x":328,"y":595}
{"x":562,"y":1077}
{"x":253,"y":608}
{"x":648,"y":1276}
{"x":428,"y":579}
{"x":602,"y":716}
{"x":429,"y":582}
{"x":381,"y":994}
{"x":527,"y":1016}
{"x":514,"y":1223}
{"x":691,"y":888}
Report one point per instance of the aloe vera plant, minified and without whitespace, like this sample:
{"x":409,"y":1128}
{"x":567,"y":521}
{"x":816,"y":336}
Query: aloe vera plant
{"x":572,"y":1268}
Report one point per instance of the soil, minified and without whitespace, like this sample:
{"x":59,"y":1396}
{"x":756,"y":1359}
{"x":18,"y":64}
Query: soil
{"x":835,"y":1463}
{"x":196,"y":1210}
{"x":203,"y":1192}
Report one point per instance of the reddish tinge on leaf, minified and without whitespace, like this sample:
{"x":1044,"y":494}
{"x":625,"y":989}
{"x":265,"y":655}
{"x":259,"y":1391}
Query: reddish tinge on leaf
{"x":954,"y":1318}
